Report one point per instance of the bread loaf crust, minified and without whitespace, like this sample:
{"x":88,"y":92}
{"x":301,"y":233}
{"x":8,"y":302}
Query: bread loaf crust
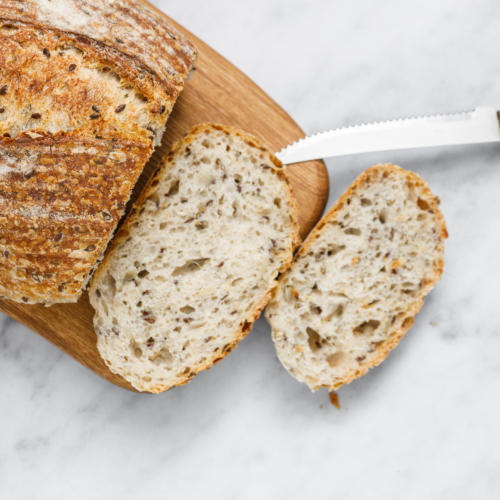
{"x":395,"y":334}
{"x":85,"y":90}
{"x":124,"y":30}
{"x":128,"y":227}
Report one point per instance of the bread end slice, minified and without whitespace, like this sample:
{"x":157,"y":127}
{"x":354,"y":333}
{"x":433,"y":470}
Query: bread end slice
{"x":196,"y":261}
{"x":359,"y":279}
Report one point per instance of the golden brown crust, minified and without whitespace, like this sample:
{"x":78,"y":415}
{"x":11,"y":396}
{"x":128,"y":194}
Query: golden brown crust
{"x":53,"y":227}
{"x":122,"y":27}
{"x":71,"y":150}
{"x":122,"y":234}
{"x":395,"y":336}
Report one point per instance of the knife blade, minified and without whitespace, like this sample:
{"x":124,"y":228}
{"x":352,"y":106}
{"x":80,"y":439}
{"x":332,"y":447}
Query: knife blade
{"x":480,"y":125}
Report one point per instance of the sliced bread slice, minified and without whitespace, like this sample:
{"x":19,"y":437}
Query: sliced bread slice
{"x":196,"y":261}
{"x":359,"y":279}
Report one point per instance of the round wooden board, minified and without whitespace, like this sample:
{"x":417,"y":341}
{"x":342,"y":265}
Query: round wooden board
{"x":217,"y":92}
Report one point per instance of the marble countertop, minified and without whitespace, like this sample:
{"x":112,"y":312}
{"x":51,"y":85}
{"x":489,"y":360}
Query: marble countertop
{"x":423,"y":425}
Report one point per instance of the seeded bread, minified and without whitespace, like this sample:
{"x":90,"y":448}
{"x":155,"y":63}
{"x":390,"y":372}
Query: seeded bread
{"x":359,"y":279}
{"x":196,"y":260}
{"x":86,"y":87}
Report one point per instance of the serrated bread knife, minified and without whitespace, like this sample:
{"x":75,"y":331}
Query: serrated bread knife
{"x":472,"y":127}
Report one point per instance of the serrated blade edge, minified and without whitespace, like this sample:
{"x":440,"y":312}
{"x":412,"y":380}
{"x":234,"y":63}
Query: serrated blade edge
{"x":467,"y":127}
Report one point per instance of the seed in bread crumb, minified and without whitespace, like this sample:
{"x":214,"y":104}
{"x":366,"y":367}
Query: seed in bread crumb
{"x":3,"y":89}
{"x":71,"y":67}
{"x":36,"y":116}
{"x":46,"y":53}
{"x":120,"y":108}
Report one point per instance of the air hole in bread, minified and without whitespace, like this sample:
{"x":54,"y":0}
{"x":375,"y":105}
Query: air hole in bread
{"x":313,"y":339}
{"x":174,"y":187}
{"x":110,"y":284}
{"x":335,"y":359}
{"x":365,"y":202}
{"x":336,"y":312}
{"x":135,"y":348}
{"x":353,"y":230}
{"x":187,"y":309}
{"x":383,"y":216}
{"x":334,"y":249}
{"x":190,"y":266}
{"x":367,"y":327}
{"x":277,"y":202}
{"x":315,"y":309}
{"x":161,"y":356}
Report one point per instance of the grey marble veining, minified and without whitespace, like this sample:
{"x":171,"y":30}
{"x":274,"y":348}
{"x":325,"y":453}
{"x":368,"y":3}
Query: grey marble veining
{"x":423,"y":425}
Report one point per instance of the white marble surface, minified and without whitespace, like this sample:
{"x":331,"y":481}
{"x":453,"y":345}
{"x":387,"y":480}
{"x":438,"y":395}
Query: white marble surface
{"x":423,"y":425}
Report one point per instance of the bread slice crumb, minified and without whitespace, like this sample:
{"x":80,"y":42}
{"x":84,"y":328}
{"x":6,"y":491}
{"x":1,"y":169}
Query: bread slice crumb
{"x":359,"y":279}
{"x":196,"y":261}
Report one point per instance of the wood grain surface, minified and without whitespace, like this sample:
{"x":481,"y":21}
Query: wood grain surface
{"x":217,"y":92}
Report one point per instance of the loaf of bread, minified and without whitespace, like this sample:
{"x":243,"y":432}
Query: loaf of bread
{"x":195,"y":261}
{"x":359,"y":279}
{"x":86,"y":87}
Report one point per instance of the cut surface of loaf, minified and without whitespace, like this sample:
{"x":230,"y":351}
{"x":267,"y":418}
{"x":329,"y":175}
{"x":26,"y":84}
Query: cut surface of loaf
{"x":359,"y":279}
{"x":195,"y":261}
{"x":86,"y":87}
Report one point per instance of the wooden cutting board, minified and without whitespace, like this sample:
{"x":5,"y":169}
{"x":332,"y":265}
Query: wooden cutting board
{"x":217,"y":92}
